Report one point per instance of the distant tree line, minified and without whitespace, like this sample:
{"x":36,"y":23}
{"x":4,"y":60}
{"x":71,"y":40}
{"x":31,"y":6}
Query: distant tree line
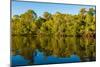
{"x":58,"y":24}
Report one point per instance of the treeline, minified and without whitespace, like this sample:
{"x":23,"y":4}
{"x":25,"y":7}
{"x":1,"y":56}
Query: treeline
{"x":58,"y":24}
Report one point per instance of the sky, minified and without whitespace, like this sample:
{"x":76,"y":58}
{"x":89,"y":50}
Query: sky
{"x":19,"y":7}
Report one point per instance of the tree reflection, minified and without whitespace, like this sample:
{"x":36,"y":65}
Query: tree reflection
{"x":26,"y":46}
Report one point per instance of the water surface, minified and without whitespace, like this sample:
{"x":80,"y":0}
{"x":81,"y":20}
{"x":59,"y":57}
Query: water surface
{"x":28,"y":50}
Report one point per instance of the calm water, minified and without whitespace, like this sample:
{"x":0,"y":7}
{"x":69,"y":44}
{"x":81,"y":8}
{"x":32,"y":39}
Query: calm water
{"x":49,"y":50}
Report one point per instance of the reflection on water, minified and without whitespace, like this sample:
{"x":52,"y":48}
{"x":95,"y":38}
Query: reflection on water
{"x":28,"y":50}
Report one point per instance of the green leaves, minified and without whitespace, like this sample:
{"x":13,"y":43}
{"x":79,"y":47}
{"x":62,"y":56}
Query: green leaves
{"x":57,"y":24}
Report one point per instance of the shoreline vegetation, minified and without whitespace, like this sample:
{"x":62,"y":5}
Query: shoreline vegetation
{"x":58,"y":24}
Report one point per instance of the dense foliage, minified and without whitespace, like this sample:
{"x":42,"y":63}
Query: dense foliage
{"x":58,"y":24}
